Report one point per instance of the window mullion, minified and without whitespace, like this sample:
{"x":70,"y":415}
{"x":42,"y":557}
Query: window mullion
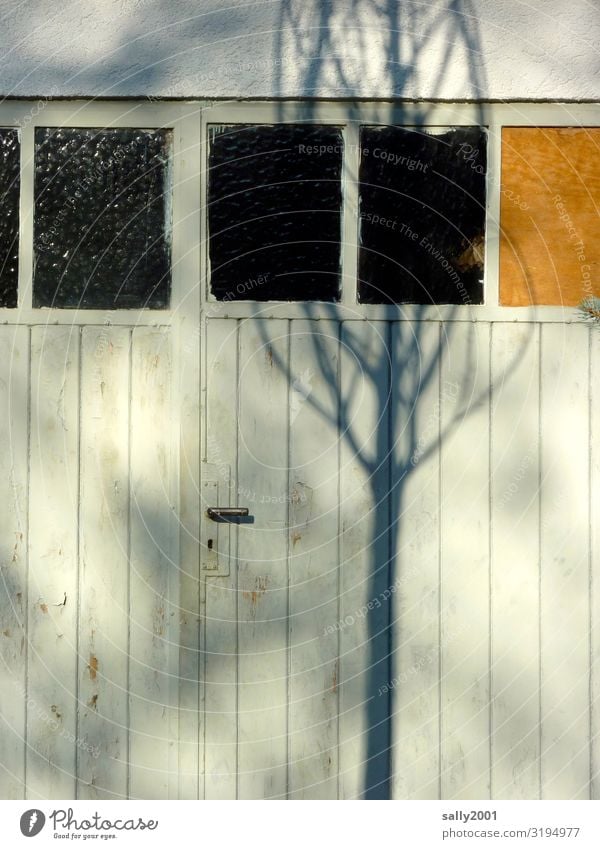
{"x":26,"y":205}
{"x":350,"y":213}
{"x":491,"y":280}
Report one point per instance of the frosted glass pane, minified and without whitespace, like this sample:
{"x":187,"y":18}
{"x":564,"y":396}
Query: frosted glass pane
{"x":102,"y":218}
{"x":275,"y":212}
{"x":9,"y":217}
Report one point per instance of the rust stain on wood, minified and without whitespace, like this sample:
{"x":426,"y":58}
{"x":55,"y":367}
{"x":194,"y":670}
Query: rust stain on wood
{"x":158,"y":624}
{"x":260,"y":588}
{"x":93,"y":666}
{"x":550,"y":195}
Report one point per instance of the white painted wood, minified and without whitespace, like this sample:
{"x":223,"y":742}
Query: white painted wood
{"x":438,"y":114}
{"x":191,"y":716}
{"x":262,"y":563}
{"x":102,"y":768}
{"x":152,"y":617}
{"x":14,"y":400}
{"x":565,"y":659}
{"x":26,"y":207}
{"x":415,"y":545}
{"x":467,"y":314}
{"x":515,"y":658}
{"x":143,"y":113}
{"x":221,"y":643}
{"x":292,"y":310}
{"x":464,"y":603}
{"x":364,"y":638}
{"x":185,"y":588}
{"x":53,"y":563}
{"x":350,"y":216}
{"x":279,"y":680}
{"x":314,"y":559}
{"x":595,"y":564}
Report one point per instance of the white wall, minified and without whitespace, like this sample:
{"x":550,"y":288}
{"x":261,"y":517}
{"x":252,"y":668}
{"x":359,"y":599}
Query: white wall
{"x":542,"y":49}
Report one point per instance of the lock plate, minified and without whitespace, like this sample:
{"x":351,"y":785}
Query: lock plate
{"x":214,"y":537}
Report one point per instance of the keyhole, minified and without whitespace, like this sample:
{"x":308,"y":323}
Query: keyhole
{"x":210,"y":544}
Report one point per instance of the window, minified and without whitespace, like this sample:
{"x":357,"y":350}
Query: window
{"x":274,"y":212}
{"x":9,"y":221}
{"x":422,"y":215}
{"x":357,"y":208}
{"x":102,"y":220}
{"x":275,"y":203}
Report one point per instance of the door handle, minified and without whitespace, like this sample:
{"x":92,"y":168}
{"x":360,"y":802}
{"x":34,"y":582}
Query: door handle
{"x":226,"y":514}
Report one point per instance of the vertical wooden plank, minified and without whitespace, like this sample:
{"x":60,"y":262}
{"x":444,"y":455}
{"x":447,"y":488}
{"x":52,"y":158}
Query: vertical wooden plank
{"x":191,"y":688}
{"x":565,"y":622}
{"x":151,"y":614}
{"x":465,"y":600}
{"x":263,"y":549}
{"x":364,"y":614}
{"x":104,"y":530}
{"x":221,"y":593}
{"x":414,"y":530}
{"x":515,"y":561}
{"x":314,"y":559}
{"x":188,"y":245}
{"x":595,"y":563}
{"x":14,"y":391}
{"x":53,"y":553}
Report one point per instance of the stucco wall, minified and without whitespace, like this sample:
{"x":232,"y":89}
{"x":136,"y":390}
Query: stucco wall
{"x":498,"y":49}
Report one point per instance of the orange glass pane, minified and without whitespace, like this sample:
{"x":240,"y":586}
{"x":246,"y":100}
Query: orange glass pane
{"x":549,"y":215}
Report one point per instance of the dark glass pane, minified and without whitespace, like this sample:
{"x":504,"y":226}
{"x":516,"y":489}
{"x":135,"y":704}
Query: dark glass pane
{"x":102,"y":218}
{"x":9,"y":219}
{"x":274,"y":212}
{"x":422,"y":215}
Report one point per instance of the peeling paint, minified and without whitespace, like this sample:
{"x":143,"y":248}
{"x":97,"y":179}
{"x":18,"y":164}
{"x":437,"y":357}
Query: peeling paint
{"x":158,"y":619}
{"x":15,"y":554}
{"x":93,"y":666}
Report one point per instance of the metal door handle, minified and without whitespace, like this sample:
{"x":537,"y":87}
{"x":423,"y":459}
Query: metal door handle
{"x":226,"y":513}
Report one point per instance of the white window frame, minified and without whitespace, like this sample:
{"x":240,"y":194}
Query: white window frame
{"x":189,"y":122}
{"x":26,"y":116}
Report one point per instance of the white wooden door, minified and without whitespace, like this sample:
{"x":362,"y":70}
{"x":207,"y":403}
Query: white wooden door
{"x":406,"y":612}
{"x":300,"y":429}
